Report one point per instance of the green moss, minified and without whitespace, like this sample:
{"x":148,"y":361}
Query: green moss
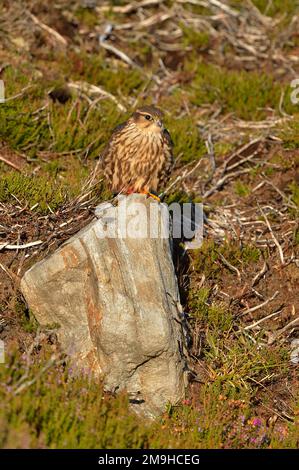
{"x":198,"y":40}
{"x":26,"y":317}
{"x":178,"y":196}
{"x":73,"y":126}
{"x":290,"y":134}
{"x":32,"y":190}
{"x":296,"y":237}
{"x":187,"y":141}
{"x":87,"y":16}
{"x":252,"y":91}
{"x":294,"y":188}
{"x":118,"y":79}
{"x":241,"y":189}
{"x":273,"y":7}
{"x":216,"y":316}
{"x":207,"y":260}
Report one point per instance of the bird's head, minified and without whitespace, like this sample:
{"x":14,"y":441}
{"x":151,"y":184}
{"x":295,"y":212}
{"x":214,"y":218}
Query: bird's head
{"x":148,"y":119}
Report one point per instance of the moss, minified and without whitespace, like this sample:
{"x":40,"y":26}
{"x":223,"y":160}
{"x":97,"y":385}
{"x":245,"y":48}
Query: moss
{"x":198,"y":40}
{"x":290,"y":134}
{"x":117,"y":79}
{"x":272,"y":8}
{"x":241,"y":189}
{"x":28,"y":320}
{"x":87,"y":16}
{"x":253,"y":91}
{"x":216,"y":316}
{"x":73,"y":126}
{"x":296,"y":237}
{"x":32,"y":190}
{"x":294,"y":188}
{"x":188,"y":143}
{"x":178,"y":196}
{"x":207,"y":260}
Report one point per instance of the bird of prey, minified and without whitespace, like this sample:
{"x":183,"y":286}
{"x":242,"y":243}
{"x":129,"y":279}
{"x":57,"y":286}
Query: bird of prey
{"x":138,"y":157}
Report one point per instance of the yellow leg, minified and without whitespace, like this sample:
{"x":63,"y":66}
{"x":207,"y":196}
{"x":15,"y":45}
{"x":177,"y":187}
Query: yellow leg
{"x":150,"y":195}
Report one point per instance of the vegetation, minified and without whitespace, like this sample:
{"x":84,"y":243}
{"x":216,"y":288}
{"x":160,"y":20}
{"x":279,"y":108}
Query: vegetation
{"x":49,"y":413}
{"x":223,"y":80}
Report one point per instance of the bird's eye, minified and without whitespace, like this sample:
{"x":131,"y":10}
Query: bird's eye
{"x":148,"y":117}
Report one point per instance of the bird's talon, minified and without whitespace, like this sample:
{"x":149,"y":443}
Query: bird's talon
{"x":148,"y":194}
{"x":154,"y":196}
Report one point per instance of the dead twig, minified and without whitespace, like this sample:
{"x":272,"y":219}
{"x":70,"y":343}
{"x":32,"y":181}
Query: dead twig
{"x":257,"y":307}
{"x":49,"y":30}
{"x":273,"y":237}
{"x":260,"y":274}
{"x":258,"y":322}
{"x":229,"y":265}
{"x":7,"y":246}
{"x":90,"y":89}
{"x":9,"y":163}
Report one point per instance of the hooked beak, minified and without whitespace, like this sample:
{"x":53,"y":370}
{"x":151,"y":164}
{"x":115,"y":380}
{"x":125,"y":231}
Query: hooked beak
{"x":160,"y":124}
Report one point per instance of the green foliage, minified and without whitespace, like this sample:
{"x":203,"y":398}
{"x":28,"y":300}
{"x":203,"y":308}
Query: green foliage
{"x":28,"y":320}
{"x":60,"y":409}
{"x":32,"y":190}
{"x":33,"y":123}
{"x":186,"y":138}
{"x":87,"y":16}
{"x":94,"y":69}
{"x":233,"y":359}
{"x":241,"y":189}
{"x":290,"y":135}
{"x":207,"y":259}
{"x":252,"y":91}
{"x":273,"y":7}
{"x":216,"y":316}
{"x":196,"y":39}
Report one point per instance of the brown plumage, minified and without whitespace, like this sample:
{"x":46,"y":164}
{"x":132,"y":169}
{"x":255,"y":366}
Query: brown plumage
{"x":138,"y":157}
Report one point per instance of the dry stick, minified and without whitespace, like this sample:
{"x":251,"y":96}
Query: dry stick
{"x":9,"y":273}
{"x":260,"y":274}
{"x":229,"y":265}
{"x":237,"y":153}
{"x":224,"y":7}
{"x":244,"y":160}
{"x":7,"y":246}
{"x":282,"y":330}
{"x":223,"y":180}
{"x":95,"y":90}
{"x":273,"y":237}
{"x":7,"y":162}
{"x":18,"y":95}
{"x":257,"y":307}
{"x":146,"y":23}
{"x":253,"y":325}
{"x":118,"y":53}
{"x":180,"y":178}
{"x":131,"y":7}
{"x":289,"y":203}
{"x":49,"y":30}
{"x":211,"y":153}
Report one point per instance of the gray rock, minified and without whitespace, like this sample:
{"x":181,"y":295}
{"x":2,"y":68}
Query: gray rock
{"x":117,"y":303}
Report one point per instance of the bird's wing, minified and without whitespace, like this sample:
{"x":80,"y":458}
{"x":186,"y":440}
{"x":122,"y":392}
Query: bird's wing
{"x":168,"y":138}
{"x":106,"y":153}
